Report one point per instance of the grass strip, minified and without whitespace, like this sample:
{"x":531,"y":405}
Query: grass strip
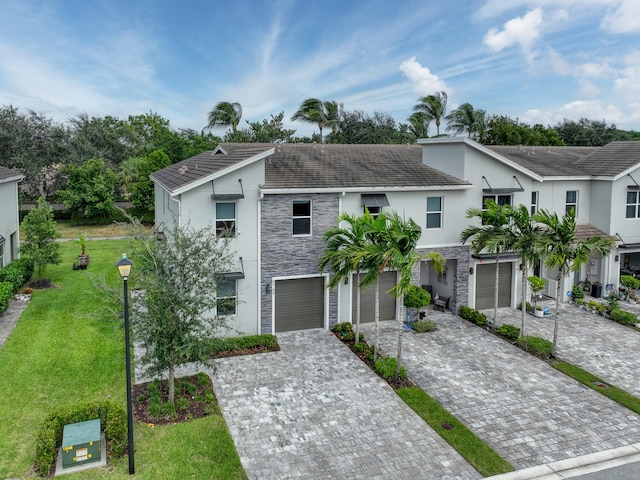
{"x":482,"y":457}
{"x":590,"y":380}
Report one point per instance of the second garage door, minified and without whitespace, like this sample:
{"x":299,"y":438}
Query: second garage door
{"x":368,"y":299}
{"x":486,"y":283}
{"x":299,"y":304}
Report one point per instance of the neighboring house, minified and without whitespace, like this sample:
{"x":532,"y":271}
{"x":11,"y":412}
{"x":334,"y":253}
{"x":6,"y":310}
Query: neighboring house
{"x":9,"y":219}
{"x":599,"y":183}
{"x":277,"y":201}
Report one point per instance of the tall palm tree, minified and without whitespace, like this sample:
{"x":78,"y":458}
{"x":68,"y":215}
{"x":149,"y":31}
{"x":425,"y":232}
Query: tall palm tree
{"x":525,"y":239}
{"x":492,"y":235}
{"x":435,"y":106}
{"x":225,"y":114}
{"x":566,"y":253}
{"x":419,"y":124}
{"x":341,"y":243}
{"x":314,"y":110}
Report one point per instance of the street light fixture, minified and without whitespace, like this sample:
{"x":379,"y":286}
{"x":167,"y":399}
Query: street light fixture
{"x":124,"y":267}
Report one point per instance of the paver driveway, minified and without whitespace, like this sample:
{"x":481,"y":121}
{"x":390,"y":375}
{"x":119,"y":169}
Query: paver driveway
{"x":315,"y":411}
{"x":527,"y":411}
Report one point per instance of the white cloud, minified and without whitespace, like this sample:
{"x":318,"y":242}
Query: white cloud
{"x":424,"y":82}
{"x":582,"y":71}
{"x":623,"y":17}
{"x":591,"y":109}
{"x":522,"y":31}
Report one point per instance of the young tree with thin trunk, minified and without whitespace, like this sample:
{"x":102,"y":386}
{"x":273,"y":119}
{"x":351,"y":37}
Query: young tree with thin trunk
{"x":40,"y":235}
{"x":179,"y":279}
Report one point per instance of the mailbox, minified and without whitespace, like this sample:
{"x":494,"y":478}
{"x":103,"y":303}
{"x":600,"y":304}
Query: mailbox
{"x":81,"y":443}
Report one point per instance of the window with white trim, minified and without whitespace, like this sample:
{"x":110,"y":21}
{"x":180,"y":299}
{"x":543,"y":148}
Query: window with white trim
{"x":499,"y":199}
{"x":535,"y":197}
{"x":226,"y":219}
{"x":434,"y":212}
{"x":571,"y":201}
{"x":633,"y":204}
{"x":302,"y":217}
{"x":227,"y":297}
{"x":1,"y":255}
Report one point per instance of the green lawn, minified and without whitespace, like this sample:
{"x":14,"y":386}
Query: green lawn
{"x":65,"y":350}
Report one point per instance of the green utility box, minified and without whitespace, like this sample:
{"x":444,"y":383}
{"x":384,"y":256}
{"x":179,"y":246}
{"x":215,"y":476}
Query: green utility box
{"x":81,"y":443}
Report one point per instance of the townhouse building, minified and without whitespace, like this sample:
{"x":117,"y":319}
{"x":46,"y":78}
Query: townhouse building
{"x":277,"y":201}
{"x":9,"y":216}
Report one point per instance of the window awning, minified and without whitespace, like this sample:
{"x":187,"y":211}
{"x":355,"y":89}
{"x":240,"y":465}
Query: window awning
{"x":234,"y":275}
{"x":374,"y":200}
{"x":502,"y":190}
{"x":227,"y":196}
{"x":635,"y":185}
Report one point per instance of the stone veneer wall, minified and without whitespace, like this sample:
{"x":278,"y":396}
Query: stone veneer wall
{"x":285,"y":255}
{"x":461,"y":257}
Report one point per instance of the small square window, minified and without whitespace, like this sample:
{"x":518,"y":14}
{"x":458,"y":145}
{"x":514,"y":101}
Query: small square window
{"x":534,"y":202}
{"x":226,"y":219}
{"x":227,"y":297}
{"x":434,"y":212}
{"x":302,"y":217}
{"x":571,"y":202}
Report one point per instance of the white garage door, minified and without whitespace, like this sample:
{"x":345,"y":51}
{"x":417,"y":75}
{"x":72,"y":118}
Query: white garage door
{"x":299,"y":304}
{"x":368,"y":299}
{"x":486,"y":283}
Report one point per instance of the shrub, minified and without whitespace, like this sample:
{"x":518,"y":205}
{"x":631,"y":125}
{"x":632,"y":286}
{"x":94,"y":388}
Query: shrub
{"x":612,"y":304}
{"x":344,"y":331}
{"x":422,"y":326}
{"x":577,"y":292}
{"x":6,"y":292}
{"x":386,"y":366}
{"x":416,"y":297}
{"x":630,"y":282}
{"x":217,"y":345}
{"x":509,"y":331}
{"x":113,"y":421}
{"x":623,"y":317}
{"x":540,"y":347}
{"x":473,"y":315}
{"x":17,"y":272}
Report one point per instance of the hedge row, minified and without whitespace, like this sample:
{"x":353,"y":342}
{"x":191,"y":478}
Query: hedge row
{"x":113,"y":421}
{"x":12,"y":277}
{"x":473,"y":315}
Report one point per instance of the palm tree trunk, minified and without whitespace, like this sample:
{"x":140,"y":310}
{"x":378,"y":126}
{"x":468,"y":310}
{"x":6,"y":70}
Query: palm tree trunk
{"x":399,"y":354}
{"x":495,"y":295}
{"x":556,"y":315}
{"x":358,"y":309}
{"x":377,"y":319}
{"x":525,"y":275}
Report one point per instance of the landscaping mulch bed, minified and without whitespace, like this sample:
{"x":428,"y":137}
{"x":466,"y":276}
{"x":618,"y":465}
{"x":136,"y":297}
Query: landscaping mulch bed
{"x":246,"y":351}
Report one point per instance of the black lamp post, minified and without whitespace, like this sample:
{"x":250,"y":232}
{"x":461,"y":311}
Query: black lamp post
{"x":124,"y":267}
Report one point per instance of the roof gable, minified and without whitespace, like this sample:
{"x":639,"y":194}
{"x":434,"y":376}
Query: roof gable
{"x":8,"y":175}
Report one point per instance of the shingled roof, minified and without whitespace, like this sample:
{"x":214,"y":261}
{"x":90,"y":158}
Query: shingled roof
{"x":312,"y":166}
{"x":610,"y":160}
{"x":8,"y":175}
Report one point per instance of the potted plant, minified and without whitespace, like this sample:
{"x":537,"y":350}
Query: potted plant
{"x":596,"y":289}
{"x":538,"y":312}
{"x":537,"y":285}
{"x":83,"y":258}
{"x":415,"y":298}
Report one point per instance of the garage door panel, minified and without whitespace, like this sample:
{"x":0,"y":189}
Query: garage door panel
{"x":299,"y":304}
{"x":368,"y":299}
{"x":486,"y":282}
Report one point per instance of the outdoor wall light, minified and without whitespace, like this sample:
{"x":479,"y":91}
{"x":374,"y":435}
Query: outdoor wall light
{"x":617,"y":258}
{"x":268,"y":288}
{"x":471,"y":271}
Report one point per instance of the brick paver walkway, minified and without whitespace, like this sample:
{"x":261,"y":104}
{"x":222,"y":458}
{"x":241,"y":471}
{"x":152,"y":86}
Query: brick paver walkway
{"x":527,"y":411}
{"x":315,"y":411}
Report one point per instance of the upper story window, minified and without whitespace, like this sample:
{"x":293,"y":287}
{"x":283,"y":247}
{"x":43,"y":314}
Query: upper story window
{"x":226,"y":219}
{"x":302,"y":217}
{"x":571,"y":201}
{"x":535,"y":198}
{"x":374,"y":203}
{"x":499,"y":199}
{"x":227,"y":297}
{"x":373,"y":211}
{"x":2,"y":255}
{"x":434,"y":212}
{"x":633,"y":204}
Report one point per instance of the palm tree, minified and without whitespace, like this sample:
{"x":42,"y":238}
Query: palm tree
{"x":435,"y":107}
{"x":225,"y":114}
{"x":492,"y":235}
{"x":563,"y":251}
{"x":313,"y":110}
{"x":525,"y":239}
{"x":341,"y":243}
{"x":419,"y":124}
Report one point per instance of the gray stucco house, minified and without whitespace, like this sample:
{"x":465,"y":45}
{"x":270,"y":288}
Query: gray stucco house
{"x":9,"y":218}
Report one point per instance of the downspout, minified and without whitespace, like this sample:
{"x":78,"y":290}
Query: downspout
{"x":259,"y":262}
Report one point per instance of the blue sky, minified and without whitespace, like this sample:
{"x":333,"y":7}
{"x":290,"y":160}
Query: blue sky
{"x":540,"y":61}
